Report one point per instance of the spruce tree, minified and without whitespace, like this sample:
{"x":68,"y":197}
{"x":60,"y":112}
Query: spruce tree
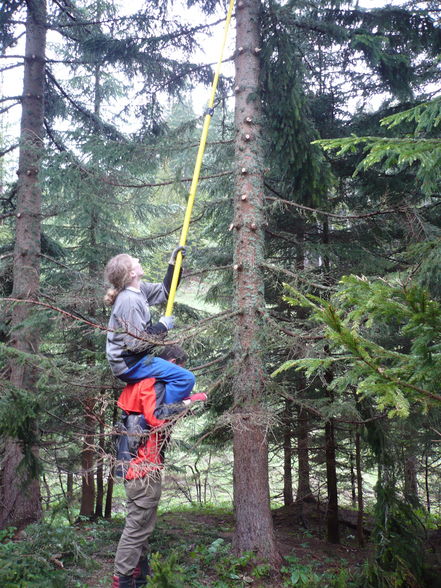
{"x":254,"y":527}
{"x":20,"y":493}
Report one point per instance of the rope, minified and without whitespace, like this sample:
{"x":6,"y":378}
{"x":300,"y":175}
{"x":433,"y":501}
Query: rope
{"x":197,"y":168}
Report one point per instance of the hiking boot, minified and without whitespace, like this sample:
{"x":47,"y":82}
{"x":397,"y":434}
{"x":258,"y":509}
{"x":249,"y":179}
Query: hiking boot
{"x":141,"y":572}
{"x":122,"y":582}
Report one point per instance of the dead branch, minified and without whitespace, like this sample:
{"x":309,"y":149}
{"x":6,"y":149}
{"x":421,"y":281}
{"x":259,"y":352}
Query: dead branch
{"x":276,"y":269}
{"x":398,"y":209}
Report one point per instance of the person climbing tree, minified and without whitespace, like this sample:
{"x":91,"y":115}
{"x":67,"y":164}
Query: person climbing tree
{"x":131,"y":336}
{"x":143,"y":477}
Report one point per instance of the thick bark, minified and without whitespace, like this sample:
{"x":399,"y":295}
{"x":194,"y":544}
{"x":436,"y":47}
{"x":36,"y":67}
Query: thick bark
{"x":304,"y":492}
{"x":254,"y":526}
{"x":20,"y":498}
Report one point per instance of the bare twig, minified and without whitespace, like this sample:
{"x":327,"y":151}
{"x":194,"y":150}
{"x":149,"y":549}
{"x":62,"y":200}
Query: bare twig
{"x":276,"y":269}
{"x":398,"y":209}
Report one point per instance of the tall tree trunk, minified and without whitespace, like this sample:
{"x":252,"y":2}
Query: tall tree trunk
{"x":288,"y":497}
{"x":254,"y":526}
{"x":332,"y":526}
{"x":304,"y":492}
{"x":69,"y":488}
{"x":87,"y":508}
{"x":426,"y":481}
{"x":410,"y":477}
{"x":360,"y":502}
{"x":88,"y":491}
{"x":20,"y":498}
{"x":111,"y":476}
{"x":109,"y":493}
{"x":353,"y":479}
{"x":100,"y":471}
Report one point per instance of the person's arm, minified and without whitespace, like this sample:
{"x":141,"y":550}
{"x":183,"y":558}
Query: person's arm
{"x":157,"y":293}
{"x":133,"y":318}
{"x":167,"y":281}
{"x":162,"y":410}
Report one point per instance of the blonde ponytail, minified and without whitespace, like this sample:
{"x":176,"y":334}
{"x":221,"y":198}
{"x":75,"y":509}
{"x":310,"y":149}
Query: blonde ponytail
{"x":110,"y":296}
{"x":117,"y":273}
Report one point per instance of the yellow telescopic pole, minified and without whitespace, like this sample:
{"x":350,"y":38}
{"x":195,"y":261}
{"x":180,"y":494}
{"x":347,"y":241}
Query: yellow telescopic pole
{"x":197,"y":167}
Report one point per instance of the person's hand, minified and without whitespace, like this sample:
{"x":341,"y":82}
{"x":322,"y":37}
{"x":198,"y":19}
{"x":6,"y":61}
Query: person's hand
{"x":168,"y":322}
{"x":198,"y":397}
{"x":175,"y":252}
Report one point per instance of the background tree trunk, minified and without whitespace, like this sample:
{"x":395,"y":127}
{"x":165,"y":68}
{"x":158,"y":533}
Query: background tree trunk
{"x":304,"y":492}
{"x":360,"y":501}
{"x":288,"y":497}
{"x":20,"y":498}
{"x":410,"y":476}
{"x":100,"y":471}
{"x":87,"y":508}
{"x":111,"y":476}
{"x":254,"y":526}
{"x":332,"y":526}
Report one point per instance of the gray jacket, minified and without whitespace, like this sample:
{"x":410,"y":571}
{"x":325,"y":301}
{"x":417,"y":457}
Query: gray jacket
{"x":131,"y":323}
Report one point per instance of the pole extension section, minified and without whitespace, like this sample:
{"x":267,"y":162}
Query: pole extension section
{"x":197,"y":167}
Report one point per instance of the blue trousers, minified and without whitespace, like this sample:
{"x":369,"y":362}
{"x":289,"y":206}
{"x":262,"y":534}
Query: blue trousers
{"x":179,"y":382}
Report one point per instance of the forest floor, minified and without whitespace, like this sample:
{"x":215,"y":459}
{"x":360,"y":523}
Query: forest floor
{"x":194,"y":548}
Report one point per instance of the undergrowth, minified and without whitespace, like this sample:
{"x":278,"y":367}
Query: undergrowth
{"x":190,"y":549}
{"x":52,"y":555}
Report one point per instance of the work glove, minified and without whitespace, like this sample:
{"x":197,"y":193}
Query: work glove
{"x":175,"y":252}
{"x":168,"y":322}
{"x":198,"y":397}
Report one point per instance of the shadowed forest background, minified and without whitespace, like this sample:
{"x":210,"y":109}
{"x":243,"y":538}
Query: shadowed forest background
{"x":309,"y":304}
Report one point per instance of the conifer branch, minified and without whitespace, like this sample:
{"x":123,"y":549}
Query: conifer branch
{"x":166,"y":234}
{"x":85,"y":112}
{"x":144,"y":338}
{"x":317,"y":413}
{"x":8,"y":98}
{"x":12,"y":66}
{"x":3,"y":216}
{"x":398,"y":209}
{"x":60,"y":146}
{"x":159,"y":184}
{"x":214,"y":362}
{"x":3,"y":110}
{"x":282,"y":270}
{"x":207,"y":270}
{"x":12,"y":56}
{"x":221,"y":315}
{"x":300,"y":336}
{"x":8,"y":149}
{"x":382,"y":372}
{"x":76,"y":317}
